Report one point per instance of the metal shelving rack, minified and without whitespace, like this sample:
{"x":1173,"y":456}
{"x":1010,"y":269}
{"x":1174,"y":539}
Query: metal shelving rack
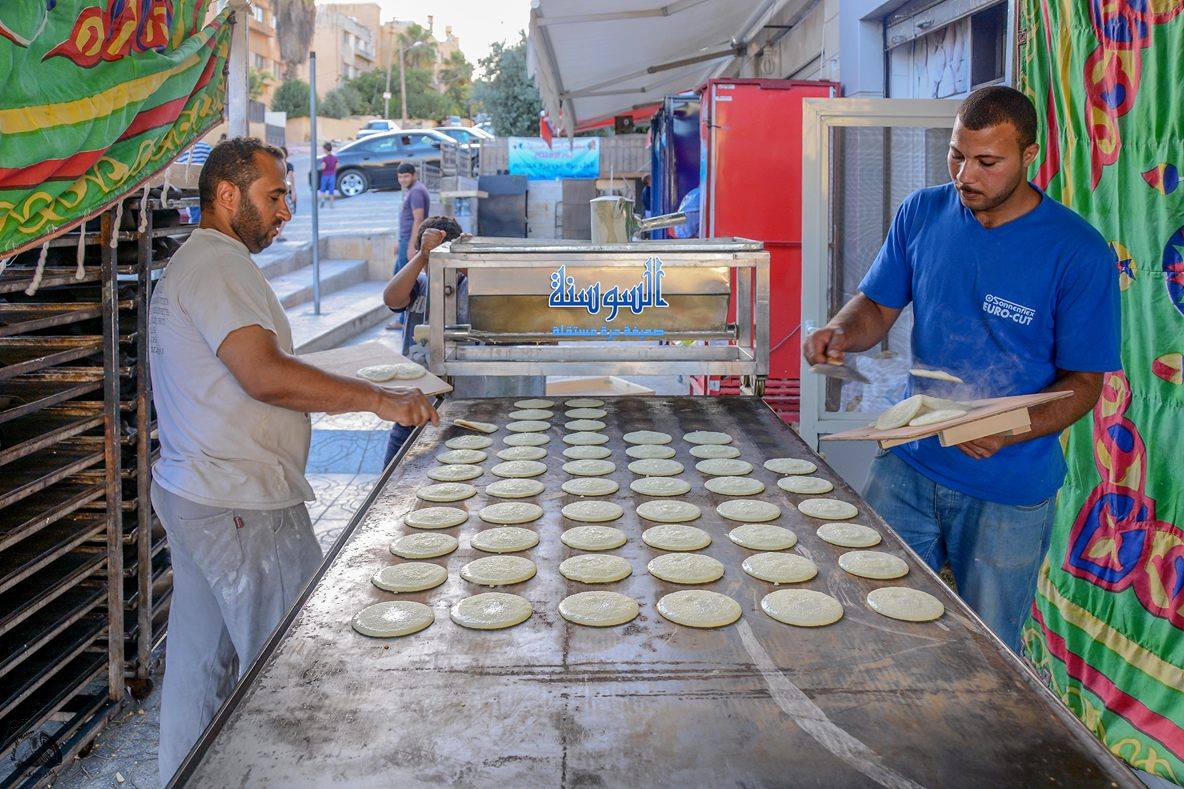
{"x":57,"y":511}
{"x":148,"y":571}
{"x":85,"y":580}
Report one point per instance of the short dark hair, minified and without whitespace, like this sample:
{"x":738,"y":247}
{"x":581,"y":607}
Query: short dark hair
{"x":998,"y":104}
{"x":232,"y":160}
{"x":328,"y":146}
{"x":406,"y":167}
{"x":446,"y":223}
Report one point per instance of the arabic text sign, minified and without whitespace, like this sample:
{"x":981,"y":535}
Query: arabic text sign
{"x":594,"y":298}
{"x":572,"y":158}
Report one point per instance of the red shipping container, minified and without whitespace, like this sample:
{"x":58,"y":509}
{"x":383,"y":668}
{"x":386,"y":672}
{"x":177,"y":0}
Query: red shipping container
{"x":752,"y":188}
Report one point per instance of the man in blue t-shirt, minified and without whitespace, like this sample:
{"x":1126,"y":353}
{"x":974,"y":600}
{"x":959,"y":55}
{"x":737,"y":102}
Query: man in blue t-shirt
{"x":1015,"y":294}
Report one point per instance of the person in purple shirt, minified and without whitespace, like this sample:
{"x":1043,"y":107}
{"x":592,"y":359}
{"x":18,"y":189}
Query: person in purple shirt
{"x":416,"y":202}
{"x":1015,"y":294}
{"x":328,"y":185}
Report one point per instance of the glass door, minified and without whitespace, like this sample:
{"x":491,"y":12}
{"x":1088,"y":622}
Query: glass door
{"x":861,"y":158}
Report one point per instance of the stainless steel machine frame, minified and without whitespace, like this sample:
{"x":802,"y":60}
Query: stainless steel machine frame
{"x":452,"y":352}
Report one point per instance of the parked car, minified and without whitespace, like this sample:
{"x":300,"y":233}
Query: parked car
{"x":371,"y":163}
{"x":466,"y":135}
{"x":469,"y":139}
{"x":376,"y":127}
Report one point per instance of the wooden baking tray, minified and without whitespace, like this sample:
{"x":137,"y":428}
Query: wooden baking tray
{"x":987,"y":417}
{"x":348,"y":360}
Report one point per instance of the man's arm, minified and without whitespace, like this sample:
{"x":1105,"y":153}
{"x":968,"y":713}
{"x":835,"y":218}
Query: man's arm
{"x":417,"y":215}
{"x":271,"y":376}
{"x":397,"y":293}
{"x":860,"y":325}
{"x":1050,"y":417}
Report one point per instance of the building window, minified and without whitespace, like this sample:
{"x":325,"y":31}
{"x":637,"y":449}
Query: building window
{"x":945,"y":49}
{"x":258,"y":14}
{"x":988,"y":44}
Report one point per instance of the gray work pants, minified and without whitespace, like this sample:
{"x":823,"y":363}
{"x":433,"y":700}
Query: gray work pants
{"x":235,"y":574}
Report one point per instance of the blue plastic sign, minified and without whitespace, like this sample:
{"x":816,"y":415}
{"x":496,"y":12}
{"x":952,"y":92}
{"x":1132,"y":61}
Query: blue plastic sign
{"x":565,"y":158}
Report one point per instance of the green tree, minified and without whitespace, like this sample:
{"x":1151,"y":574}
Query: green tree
{"x":423,"y":101}
{"x":336,"y":104}
{"x":419,"y":47}
{"x":456,"y":75}
{"x":291,"y":97}
{"x":257,"y":80}
{"x":507,"y":92}
{"x":295,"y":21}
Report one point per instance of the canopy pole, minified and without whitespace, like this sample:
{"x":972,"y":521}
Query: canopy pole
{"x":237,"y":95}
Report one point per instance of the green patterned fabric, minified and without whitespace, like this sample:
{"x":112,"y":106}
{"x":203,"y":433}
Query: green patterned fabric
{"x":96,"y":96}
{"x":1107,"y":626}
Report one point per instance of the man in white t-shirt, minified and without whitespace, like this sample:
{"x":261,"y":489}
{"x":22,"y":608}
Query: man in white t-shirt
{"x":232,"y":407}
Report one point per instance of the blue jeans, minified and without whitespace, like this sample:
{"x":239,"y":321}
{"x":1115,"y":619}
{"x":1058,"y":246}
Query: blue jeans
{"x":401,"y":257}
{"x":395,"y":442}
{"x":995,"y":550}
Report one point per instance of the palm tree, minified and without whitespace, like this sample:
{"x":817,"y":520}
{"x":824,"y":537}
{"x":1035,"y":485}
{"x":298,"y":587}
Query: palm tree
{"x":456,"y":79}
{"x":294,"y":24}
{"x":456,"y":72}
{"x":419,"y":46}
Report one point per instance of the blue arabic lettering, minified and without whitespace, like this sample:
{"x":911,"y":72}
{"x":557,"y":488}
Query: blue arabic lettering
{"x":647,"y":293}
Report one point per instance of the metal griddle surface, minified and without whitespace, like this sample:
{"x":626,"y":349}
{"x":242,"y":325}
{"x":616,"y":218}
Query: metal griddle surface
{"x":866,"y":701}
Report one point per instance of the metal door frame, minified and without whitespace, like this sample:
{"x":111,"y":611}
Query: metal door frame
{"x":818,"y":117}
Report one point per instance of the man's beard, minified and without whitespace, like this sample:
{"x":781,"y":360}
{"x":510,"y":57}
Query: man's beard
{"x":250,"y":228}
{"x":999,"y":199}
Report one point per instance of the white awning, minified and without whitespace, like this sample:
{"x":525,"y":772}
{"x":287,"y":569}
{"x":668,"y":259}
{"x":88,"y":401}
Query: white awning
{"x":597,"y":58}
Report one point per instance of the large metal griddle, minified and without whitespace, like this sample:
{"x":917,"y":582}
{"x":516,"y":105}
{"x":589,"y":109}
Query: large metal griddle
{"x":868,"y":701}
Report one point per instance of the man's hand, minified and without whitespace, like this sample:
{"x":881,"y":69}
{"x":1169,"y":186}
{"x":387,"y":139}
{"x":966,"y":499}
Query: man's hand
{"x":407,"y":407}
{"x":857,"y":327}
{"x":983,"y":448}
{"x":432,"y":238}
{"x":825,"y":346}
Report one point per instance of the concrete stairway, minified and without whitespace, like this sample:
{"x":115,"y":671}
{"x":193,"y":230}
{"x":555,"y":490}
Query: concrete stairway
{"x":351,"y":303}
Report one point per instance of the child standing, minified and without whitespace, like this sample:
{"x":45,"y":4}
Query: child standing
{"x":328,"y":185}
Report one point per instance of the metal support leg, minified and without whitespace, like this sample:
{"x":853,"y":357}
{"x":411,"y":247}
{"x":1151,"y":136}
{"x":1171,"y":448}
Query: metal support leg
{"x":111,"y":457}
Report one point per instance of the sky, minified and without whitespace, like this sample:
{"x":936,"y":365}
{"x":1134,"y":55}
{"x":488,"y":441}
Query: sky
{"x":478,"y":23}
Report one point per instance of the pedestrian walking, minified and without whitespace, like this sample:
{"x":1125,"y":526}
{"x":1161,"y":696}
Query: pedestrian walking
{"x":328,"y":186}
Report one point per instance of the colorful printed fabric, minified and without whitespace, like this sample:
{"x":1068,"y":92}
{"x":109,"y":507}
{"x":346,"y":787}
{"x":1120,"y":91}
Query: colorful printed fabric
{"x":1107,"y":627}
{"x":96,"y":96}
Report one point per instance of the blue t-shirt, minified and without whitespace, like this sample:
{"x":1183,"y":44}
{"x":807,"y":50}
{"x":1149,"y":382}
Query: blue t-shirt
{"x":416,"y":196}
{"x":1003,"y":309}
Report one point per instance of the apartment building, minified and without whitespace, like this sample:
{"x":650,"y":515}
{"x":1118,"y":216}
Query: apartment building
{"x":263,"y":46}
{"x":345,"y":46}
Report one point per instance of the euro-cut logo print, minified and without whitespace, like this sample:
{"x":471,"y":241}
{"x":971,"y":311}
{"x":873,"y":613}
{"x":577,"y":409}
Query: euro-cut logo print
{"x":1008,"y":310}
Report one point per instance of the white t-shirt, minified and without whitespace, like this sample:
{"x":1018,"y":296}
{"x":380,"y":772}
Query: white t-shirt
{"x":218,"y":445}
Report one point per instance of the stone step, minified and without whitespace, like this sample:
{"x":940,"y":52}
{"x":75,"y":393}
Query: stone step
{"x":284,"y":257}
{"x":344,"y":314}
{"x":295,"y":288}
